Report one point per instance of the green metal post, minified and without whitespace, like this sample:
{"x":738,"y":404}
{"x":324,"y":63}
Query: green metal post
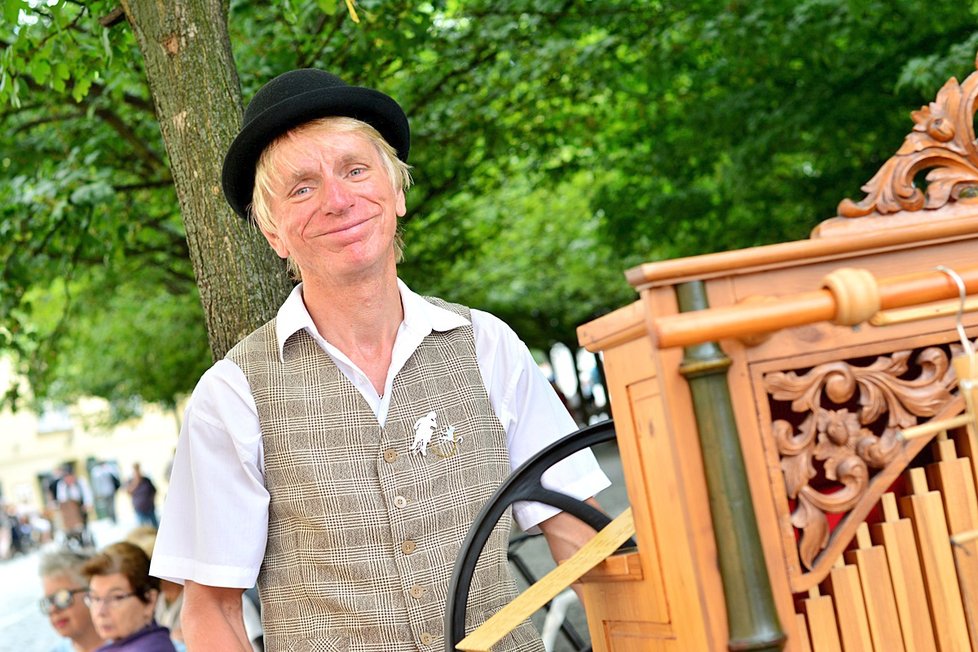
{"x":752,"y":617}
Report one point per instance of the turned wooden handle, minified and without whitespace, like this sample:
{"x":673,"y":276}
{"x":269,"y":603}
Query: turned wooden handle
{"x":604,"y":543}
{"x":754,"y":317}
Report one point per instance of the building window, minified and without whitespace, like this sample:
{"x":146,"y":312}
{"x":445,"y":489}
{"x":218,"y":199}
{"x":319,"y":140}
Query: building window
{"x":53,"y":418}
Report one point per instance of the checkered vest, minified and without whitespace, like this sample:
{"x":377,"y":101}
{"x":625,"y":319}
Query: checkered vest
{"x":363,"y":533}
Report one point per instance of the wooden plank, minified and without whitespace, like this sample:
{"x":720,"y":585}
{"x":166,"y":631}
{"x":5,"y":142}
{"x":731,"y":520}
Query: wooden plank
{"x":802,"y":642}
{"x":925,"y":509}
{"x":896,"y":535}
{"x":877,"y":588}
{"x":951,"y":475}
{"x":966,"y":564}
{"x":850,"y":612}
{"x":823,"y":630}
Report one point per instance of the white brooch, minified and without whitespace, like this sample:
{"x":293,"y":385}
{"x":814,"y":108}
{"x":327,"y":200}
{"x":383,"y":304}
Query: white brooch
{"x":424,"y":431}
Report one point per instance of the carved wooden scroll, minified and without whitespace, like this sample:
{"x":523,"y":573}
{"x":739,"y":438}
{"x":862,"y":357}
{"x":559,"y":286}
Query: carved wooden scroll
{"x":836,"y":429}
{"x":943,"y":142}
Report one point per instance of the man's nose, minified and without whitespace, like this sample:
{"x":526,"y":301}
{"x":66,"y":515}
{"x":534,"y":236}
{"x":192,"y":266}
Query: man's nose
{"x":337,"y":197}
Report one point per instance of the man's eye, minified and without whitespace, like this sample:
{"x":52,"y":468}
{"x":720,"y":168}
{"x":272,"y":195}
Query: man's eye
{"x":355,"y":172}
{"x":301,"y":191}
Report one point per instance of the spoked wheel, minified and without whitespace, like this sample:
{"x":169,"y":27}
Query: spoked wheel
{"x":523,"y":484}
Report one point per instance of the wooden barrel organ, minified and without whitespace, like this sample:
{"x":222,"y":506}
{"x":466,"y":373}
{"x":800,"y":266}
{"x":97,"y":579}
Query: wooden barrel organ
{"x":796,"y":428}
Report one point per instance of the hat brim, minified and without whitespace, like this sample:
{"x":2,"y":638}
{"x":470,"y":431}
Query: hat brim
{"x":365,"y":104}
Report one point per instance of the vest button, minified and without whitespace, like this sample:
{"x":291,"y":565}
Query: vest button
{"x":390,"y":455}
{"x":407,"y":547}
{"x":400,"y":501}
{"x":417,"y":591}
{"x":427,"y":639}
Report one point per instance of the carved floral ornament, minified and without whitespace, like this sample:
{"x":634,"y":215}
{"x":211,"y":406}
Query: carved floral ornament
{"x":851,"y":444}
{"x":943,"y":142}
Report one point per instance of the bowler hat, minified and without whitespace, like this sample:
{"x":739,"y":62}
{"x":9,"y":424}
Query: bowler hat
{"x":294,"y":98}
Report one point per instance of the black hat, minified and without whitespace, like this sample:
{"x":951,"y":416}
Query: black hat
{"x":292,"y":99}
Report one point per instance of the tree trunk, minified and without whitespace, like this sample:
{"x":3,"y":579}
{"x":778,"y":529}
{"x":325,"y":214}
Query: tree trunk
{"x":195,"y":87}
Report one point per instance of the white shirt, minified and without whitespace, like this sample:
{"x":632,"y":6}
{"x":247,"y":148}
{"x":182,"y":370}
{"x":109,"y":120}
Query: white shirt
{"x":215,"y":519}
{"x":78,"y":491}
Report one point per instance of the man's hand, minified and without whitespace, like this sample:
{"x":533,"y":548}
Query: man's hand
{"x":211,"y":618}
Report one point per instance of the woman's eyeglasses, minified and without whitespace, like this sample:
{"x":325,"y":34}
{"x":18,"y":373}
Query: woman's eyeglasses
{"x":59,"y":599}
{"x":111,"y":601}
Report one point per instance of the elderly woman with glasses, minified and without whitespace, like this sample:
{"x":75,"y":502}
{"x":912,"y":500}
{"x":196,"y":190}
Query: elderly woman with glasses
{"x":64,"y":585}
{"x":122,"y":597}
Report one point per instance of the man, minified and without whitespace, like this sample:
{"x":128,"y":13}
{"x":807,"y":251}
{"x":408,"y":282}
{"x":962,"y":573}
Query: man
{"x":344,"y":449}
{"x":74,"y":497}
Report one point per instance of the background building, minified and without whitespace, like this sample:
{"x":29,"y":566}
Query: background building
{"x":34,"y":446}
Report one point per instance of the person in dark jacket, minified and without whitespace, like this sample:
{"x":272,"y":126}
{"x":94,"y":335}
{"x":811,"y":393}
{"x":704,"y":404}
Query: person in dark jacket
{"x":143,"y":493}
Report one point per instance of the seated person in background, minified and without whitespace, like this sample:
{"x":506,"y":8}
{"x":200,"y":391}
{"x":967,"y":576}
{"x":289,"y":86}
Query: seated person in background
{"x":170,"y":603}
{"x":122,"y":598}
{"x":64,"y":585}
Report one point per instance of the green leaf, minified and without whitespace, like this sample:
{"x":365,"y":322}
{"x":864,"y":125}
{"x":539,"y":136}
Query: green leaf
{"x":11,"y":11}
{"x":40,"y":70}
{"x":81,"y":88}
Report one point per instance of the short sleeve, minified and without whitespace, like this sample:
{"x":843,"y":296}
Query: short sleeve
{"x":214,"y":522}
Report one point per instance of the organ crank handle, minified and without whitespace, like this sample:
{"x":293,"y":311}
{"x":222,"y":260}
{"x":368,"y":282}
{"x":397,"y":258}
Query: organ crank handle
{"x":546,"y":589}
{"x":525,"y":484}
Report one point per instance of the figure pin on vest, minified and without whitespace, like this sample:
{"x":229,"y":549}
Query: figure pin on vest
{"x":425,"y":429}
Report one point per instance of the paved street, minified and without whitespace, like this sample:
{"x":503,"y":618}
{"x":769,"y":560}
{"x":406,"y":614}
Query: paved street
{"x":23,"y":628}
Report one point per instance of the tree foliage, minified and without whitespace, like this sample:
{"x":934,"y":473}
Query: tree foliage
{"x":555,"y":144}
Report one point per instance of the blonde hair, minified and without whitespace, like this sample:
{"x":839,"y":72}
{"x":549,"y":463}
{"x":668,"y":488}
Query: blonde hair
{"x":143,"y":536}
{"x":270,"y":171}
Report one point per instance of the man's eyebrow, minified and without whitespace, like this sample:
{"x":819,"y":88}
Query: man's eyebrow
{"x":295,"y":176}
{"x":351,"y":158}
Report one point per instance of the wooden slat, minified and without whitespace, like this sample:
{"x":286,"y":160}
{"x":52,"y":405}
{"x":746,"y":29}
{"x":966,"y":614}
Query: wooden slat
{"x":823,"y":631}
{"x":966,"y":565}
{"x":850,"y":612}
{"x":926,"y":510}
{"x":802,"y":644}
{"x":874,"y":577}
{"x":896,"y":535}
{"x":952,"y":477}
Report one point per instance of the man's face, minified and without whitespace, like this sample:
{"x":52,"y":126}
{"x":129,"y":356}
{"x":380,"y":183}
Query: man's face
{"x":334,"y":206}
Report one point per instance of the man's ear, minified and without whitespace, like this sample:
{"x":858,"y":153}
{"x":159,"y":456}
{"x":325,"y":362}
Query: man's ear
{"x":400,"y":204}
{"x":276,"y":242}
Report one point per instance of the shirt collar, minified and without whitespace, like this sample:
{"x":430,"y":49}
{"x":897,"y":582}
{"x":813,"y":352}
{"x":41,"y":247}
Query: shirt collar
{"x":420,"y":317}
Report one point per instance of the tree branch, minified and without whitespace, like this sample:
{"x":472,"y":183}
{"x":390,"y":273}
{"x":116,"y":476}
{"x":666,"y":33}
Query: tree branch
{"x":145,"y":153}
{"x":113,"y":18}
